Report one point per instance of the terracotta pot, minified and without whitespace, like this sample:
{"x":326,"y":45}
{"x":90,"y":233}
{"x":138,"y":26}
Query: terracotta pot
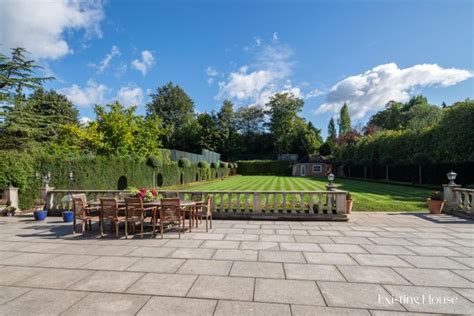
{"x":435,"y":206}
{"x":349,"y":206}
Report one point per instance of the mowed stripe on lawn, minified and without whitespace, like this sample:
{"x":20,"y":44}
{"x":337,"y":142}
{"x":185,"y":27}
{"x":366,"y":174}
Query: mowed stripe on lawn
{"x":367,"y":196}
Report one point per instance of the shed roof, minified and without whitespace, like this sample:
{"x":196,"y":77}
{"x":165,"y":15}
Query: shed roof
{"x":314,"y":159}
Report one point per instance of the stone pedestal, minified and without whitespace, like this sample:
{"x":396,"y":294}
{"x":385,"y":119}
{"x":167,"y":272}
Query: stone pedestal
{"x":450,"y":197}
{"x":11,"y":195}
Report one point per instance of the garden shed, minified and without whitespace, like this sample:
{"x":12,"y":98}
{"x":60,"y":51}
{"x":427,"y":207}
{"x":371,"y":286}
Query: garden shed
{"x":312,"y":165}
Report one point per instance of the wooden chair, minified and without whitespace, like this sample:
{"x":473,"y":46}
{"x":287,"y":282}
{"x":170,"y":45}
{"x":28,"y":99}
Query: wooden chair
{"x":205,"y":210}
{"x":170,"y":213}
{"x":136,"y":212}
{"x":82,"y":211}
{"x":109,"y":210}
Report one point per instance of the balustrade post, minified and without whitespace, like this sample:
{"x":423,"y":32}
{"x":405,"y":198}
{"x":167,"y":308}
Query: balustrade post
{"x":451,"y":197}
{"x":341,"y":203}
{"x":256,"y":202}
{"x":11,"y":194}
{"x":237,"y":206}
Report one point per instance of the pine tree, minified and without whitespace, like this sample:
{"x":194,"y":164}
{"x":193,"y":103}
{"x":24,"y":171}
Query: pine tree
{"x":344,"y":120}
{"x":332,"y":133}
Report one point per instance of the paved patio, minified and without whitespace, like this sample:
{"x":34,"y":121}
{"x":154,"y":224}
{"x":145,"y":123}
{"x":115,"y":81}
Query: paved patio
{"x":375,"y":264}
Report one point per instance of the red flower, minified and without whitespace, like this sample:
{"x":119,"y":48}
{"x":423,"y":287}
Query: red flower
{"x":141,"y":193}
{"x":154,"y":192}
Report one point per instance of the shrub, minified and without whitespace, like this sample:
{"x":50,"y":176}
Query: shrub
{"x":224,"y":165}
{"x":214,"y":165}
{"x":154,"y":162}
{"x":203,"y":164}
{"x":184,"y":163}
{"x":436,"y":196}
{"x":348,"y":196}
{"x":236,"y":165}
{"x":265,"y":167}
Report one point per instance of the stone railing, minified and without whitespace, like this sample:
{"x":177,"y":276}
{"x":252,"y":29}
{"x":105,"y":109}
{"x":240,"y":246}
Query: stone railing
{"x":459,"y":201}
{"x":329,"y":205}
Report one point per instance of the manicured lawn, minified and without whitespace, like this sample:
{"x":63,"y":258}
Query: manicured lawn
{"x":367,"y":196}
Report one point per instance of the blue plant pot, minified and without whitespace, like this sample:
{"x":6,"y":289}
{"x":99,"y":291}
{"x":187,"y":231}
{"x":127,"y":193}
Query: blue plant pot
{"x":68,"y":216}
{"x":40,"y":215}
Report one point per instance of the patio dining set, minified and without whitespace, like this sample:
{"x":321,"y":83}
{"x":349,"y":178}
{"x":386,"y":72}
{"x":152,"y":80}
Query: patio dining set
{"x":167,"y":212}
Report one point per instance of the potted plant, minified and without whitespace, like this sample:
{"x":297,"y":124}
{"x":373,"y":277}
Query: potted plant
{"x":9,"y":211}
{"x":68,"y":216}
{"x":349,"y":203}
{"x":40,"y":213}
{"x":435,"y":202}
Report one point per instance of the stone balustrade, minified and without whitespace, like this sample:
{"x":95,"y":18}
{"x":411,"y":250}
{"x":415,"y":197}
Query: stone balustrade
{"x":458,"y":201}
{"x":327,"y":205}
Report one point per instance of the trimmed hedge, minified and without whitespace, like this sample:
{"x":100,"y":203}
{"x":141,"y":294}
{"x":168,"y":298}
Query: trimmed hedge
{"x":184,"y":163}
{"x":203,"y":164}
{"x":93,"y":172}
{"x":224,"y":165}
{"x":264,"y":167}
{"x":214,"y":165}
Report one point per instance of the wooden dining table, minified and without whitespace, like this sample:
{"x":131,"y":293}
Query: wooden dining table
{"x":189,"y":205}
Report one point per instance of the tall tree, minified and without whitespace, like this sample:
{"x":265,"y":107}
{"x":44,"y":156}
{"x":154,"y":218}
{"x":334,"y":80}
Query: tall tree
{"x":332,"y":133}
{"x":344,"y":120}
{"x":17,"y":74}
{"x":283,"y":109}
{"x":250,"y":120}
{"x":228,"y":136}
{"x":173,"y":106}
{"x":209,"y":134}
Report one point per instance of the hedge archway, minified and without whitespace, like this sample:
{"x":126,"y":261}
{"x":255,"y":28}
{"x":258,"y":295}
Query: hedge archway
{"x":159,"y":180}
{"x":181,"y":179}
{"x":197,"y":177}
{"x":122,"y":183}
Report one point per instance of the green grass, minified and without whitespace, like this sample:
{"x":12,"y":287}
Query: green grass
{"x":367,"y":196}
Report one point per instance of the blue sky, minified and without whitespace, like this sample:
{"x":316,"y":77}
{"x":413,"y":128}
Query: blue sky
{"x":327,"y":52}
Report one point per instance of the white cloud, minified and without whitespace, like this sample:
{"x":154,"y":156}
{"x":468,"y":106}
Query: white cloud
{"x":90,"y":95}
{"x":266,"y":76}
{"x":40,"y":25}
{"x":130,"y":95}
{"x":211,"y":73}
{"x":371,"y":90}
{"x":147,"y":61}
{"x":105,"y":62}
{"x":85,"y":121}
{"x":314,"y":93}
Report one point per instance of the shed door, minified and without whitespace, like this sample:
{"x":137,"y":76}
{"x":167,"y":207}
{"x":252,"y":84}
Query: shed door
{"x":303,"y":170}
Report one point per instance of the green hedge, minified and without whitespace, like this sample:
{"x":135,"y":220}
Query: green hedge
{"x":264,"y":167}
{"x":93,"y":172}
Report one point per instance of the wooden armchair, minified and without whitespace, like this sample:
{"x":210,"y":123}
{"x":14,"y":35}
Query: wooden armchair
{"x":205,"y":210}
{"x":136,"y":212}
{"x":171,"y":213}
{"x":109,"y":210}
{"x":83,"y":212}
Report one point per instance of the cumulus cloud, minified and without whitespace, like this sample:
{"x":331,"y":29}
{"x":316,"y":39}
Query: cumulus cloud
{"x":85,"y":121}
{"x":371,"y":90}
{"x":211,"y":73}
{"x":40,"y":25}
{"x":130,"y":95}
{"x":314,"y":93}
{"x":267,"y":75}
{"x":145,"y":63}
{"x":105,"y":62}
{"x":89,"y":95}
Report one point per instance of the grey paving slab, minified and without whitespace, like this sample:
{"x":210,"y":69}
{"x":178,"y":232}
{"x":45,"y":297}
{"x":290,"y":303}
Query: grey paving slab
{"x":300,"y":246}
{"x":467,"y":274}
{"x":281,"y":256}
{"x":231,"y":254}
{"x":342,"y":248}
{"x":391,"y":241}
{"x":356,"y":295}
{"x":163,"y":265}
{"x":329,"y":258}
{"x":8,"y":254}
{"x":183,"y":243}
{"x":55,"y":278}
{"x":163,"y":284}
{"x":220,"y":287}
{"x":67,"y":261}
{"x":257,"y":231}
{"x":368,"y":274}
{"x":433,"y":251}
{"x":41,"y":302}
{"x":228,"y":230}
{"x":468,"y":251}
{"x":359,"y":233}
{"x":108,"y":304}
{"x":282,"y":238}
{"x":467,"y":261}
{"x":301,"y":310}
{"x":257,"y":269}
{"x":27,"y":259}
{"x":178,"y":306}
{"x":11,"y":274}
{"x":151,"y":252}
{"x":325,"y":233}
{"x":314,"y":239}
{"x":433,"y":277}
{"x":467,"y":293}
{"x":236,"y":308}
{"x":207,"y":236}
{"x":430,"y":299}
{"x":206,"y":267}
{"x":109,"y":250}
{"x":300,"y":232}
{"x":241,"y":237}
{"x":192,"y":253}
{"x":433,"y":262}
{"x":352,"y":240}
{"x":317,"y":272}
{"x":380,"y":260}
{"x":111,"y":263}
{"x":287,"y":291}
{"x":8,"y":293}
{"x":259,"y":245}
{"x":387,"y":250}
{"x":107,"y":281}
{"x":221,"y":244}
